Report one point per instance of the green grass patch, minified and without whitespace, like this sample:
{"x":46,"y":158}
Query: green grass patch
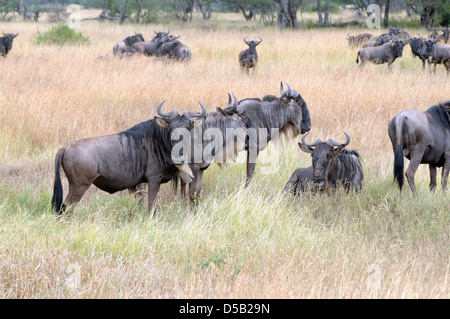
{"x":61,"y":34}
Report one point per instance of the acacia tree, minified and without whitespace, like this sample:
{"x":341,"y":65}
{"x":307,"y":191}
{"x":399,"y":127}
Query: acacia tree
{"x":287,"y":14}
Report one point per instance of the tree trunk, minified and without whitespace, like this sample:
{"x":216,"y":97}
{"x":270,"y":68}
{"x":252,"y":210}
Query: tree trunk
{"x":327,"y":13}
{"x":386,"y":14}
{"x":319,"y":12}
{"x":123,"y":11}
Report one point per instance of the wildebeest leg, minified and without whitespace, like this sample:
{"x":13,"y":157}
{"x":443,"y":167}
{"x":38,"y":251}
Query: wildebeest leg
{"x":250,"y":168}
{"x":433,"y":182}
{"x":138,"y":191}
{"x":183,"y":188}
{"x":292,"y":183}
{"x":153,"y":189}
{"x":415,"y":159}
{"x":193,"y":190}
{"x":445,"y":172}
{"x":76,"y":191}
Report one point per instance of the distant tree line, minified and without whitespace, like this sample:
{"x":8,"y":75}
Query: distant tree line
{"x":270,"y":12}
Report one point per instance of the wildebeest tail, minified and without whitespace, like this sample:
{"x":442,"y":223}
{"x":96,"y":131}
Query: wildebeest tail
{"x":57,"y":198}
{"x":357,"y":56}
{"x":399,"y":164}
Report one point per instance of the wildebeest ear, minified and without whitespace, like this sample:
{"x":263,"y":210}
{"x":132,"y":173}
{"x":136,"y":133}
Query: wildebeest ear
{"x":197,"y":121}
{"x":162,"y":122}
{"x":305,"y":148}
{"x":338,"y":149}
{"x":223,"y":112}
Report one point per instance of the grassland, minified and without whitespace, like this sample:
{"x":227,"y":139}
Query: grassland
{"x":239,"y":243}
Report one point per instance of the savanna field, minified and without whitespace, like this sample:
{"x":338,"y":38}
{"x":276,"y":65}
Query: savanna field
{"x":254,"y":242}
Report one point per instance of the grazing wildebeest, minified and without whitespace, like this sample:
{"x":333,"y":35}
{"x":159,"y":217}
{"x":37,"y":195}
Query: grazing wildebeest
{"x":421,"y":48}
{"x":141,"y":154}
{"x":220,"y":138}
{"x":248,"y":58}
{"x":125,"y":47}
{"x":332,"y":166}
{"x":174,"y":49}
{"x":440,"y":54}
{"x":6,"y":43}
{"x":286,"y":116}
{"x":387,"y":52}
{"x":423,"y":138}
{"x":150,"y":48}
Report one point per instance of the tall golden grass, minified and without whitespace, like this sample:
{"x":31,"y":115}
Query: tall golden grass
{"x":239,"y":243}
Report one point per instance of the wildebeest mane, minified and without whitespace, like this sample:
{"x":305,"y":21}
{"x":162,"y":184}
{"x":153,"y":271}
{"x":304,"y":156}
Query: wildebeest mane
{"x":441,"y":114}
{"x":417,"y":46}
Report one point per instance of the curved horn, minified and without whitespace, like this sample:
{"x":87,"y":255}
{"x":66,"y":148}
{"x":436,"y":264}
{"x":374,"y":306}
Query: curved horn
{"x":235,"y":104}
{"x":281,"y":89}
{"x":289,"y":89}
{"x":334,"y":143}
{"x":260,"y":40}
{"x":160,"y":113}
{"x":229,"y":99}
{"x":3,"y":32}
{"x":15,"y":35}
{"x":245,"y":40}
{"x":309,"y":145}
{"x":203,"y":113}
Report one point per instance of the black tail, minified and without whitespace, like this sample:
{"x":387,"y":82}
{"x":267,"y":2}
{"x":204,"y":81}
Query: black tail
{"x":399,"y":164}
{"x":357,"y":56}
{"x":175,"y":184}
{"x":57,"y":198}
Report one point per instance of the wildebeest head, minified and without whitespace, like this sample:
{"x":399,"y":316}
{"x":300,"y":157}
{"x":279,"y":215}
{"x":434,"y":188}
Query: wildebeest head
{"x":8,"y":40}
{"x":252,"y":46}
{"x":429,"y":43}
{"x":137,"y":37}
{"x":299,"y":113}
{"x":322,"y":154}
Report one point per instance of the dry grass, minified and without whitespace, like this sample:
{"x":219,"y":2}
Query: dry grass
{"x":240,"y":243}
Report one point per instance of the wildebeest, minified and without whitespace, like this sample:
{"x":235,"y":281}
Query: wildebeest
{"x":174,"y":49}
{"x":358,"y":40}
{"x":141,"y":154}
{"x":440,"y":54}
{"x":387,"y":52}
{"x":220,"y":138}
{"x":149,"y":48}
{"x":248,"y":58}
{"x":6,"y":43}
{"x":423,"y":138}
{"x":332,"y":166}
{"x":125,"y":47}
{"x":421,"y":48}
{"x":272,"y":118}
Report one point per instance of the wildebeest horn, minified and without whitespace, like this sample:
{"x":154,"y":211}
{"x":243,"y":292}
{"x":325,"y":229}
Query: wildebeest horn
{"x":160,"y":113}
{"x":281,"y":89}
{"x":15,"y":35}
{"x":260,"y":40}
{"x":289,"y":89}
{"x":245,"y":40}
{"x":235,"y":104}
{"x":334,"y":143}
{"x":203,"y":113}
{"x":309,"y":145}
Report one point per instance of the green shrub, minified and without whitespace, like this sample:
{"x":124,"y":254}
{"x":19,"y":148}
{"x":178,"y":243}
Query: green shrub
{"x":61,"y":34}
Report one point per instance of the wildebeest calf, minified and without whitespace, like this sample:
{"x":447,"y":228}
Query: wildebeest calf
{"x":332,"y":166}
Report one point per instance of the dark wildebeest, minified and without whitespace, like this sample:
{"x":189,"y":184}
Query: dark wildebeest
{"x":149,"y":48}
{"x":174,"y":49}
{"x":125,"y":47}
{"x":332,"y":166}
{"x":248,"y":58}
{"x":220,"y":138}
{"x":141,"y":154}
{"x":272,"y":118}
{"x":387,"y":52}
{"x":423,"y":138}
{"x":421,"y":48}
{"x":440,"y":54}
{"x":6,"y":43}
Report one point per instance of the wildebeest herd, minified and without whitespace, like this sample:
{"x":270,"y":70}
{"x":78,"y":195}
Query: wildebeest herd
{"x":387,"y":47}
{"x":180,"y":147}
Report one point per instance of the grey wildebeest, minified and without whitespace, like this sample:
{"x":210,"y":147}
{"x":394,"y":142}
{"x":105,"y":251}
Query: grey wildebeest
{"x":174,"y":49}
{"x":421,"y":48}
{"x":332,"y":165}
{"x":150,"y":48}
{"x":6,"y":43}
{"x":272,"y":118}
{"x":248,"y":58}
{"x":440,"y":54}
{"x":141,"y":154}
{"x":358,"y":40}
{"x":423,"y":138}
{"x":125,"y":47}
{"x":220,"y":138}
{"x":387,"y":52}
